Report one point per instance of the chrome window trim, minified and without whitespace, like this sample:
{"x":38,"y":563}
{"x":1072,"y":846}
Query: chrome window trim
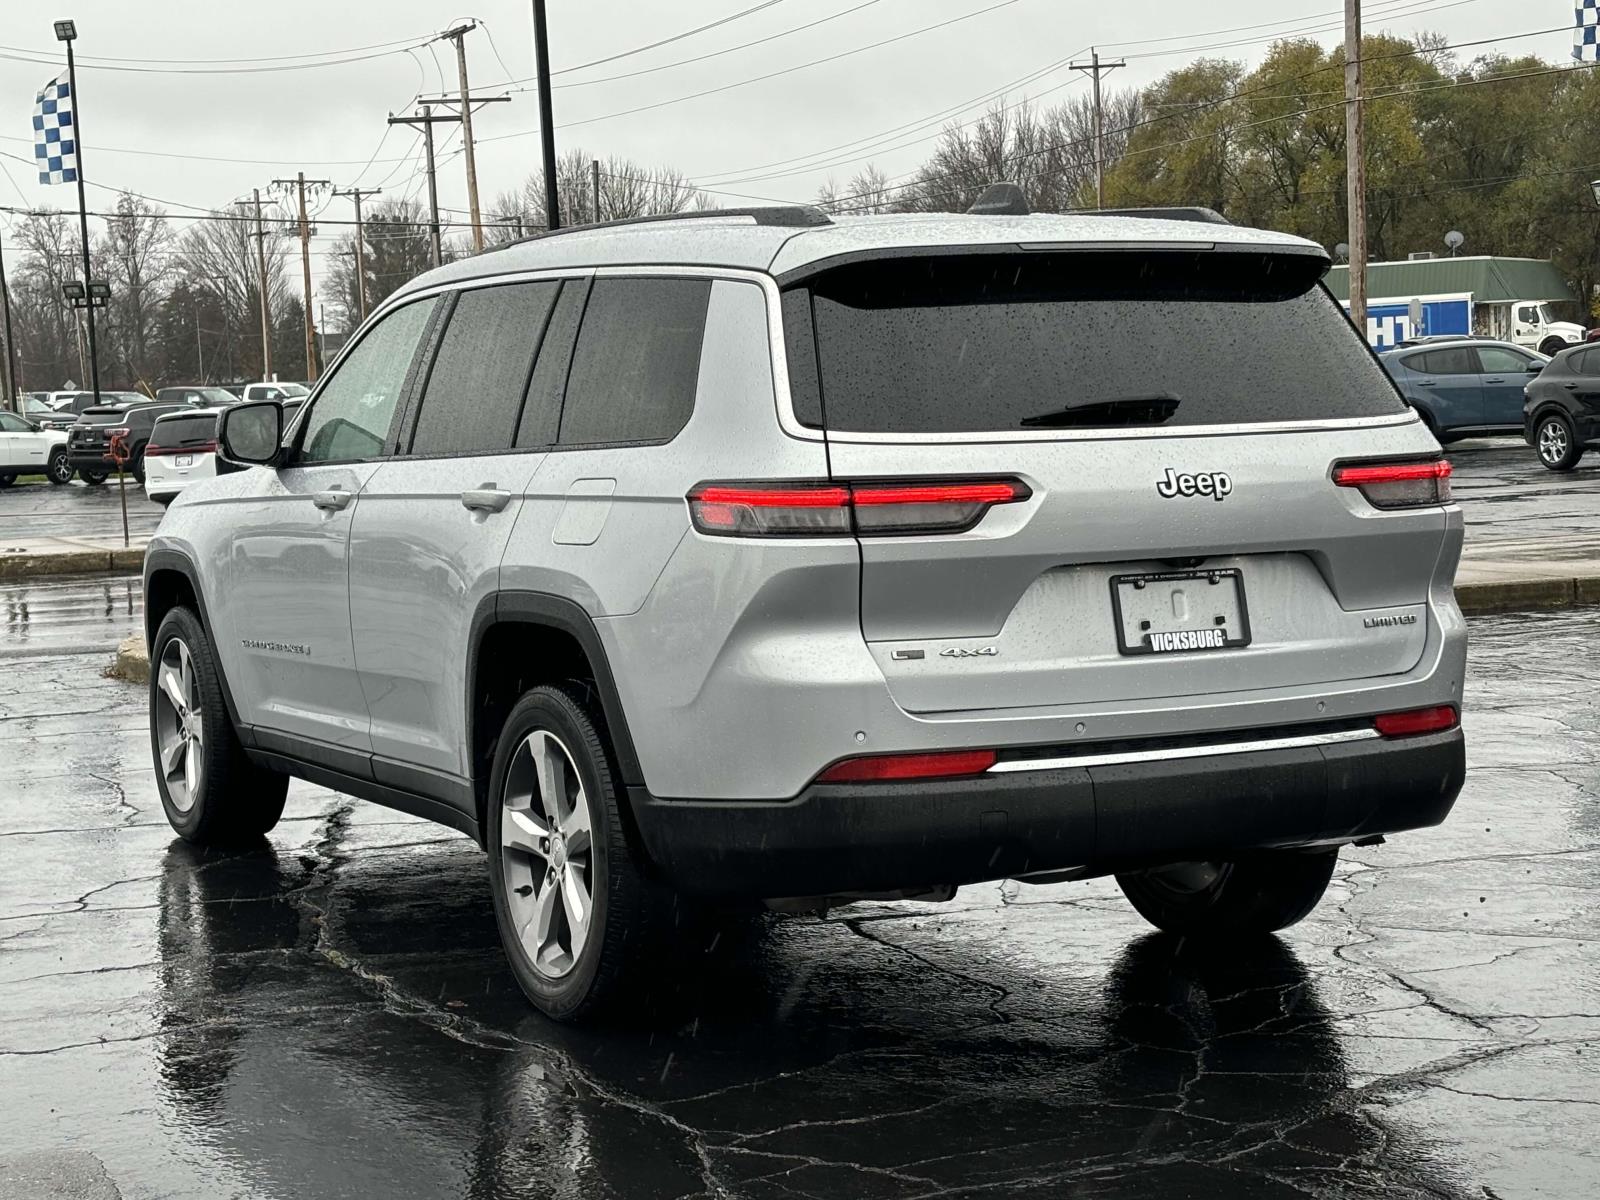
{"x":1293,"y":742}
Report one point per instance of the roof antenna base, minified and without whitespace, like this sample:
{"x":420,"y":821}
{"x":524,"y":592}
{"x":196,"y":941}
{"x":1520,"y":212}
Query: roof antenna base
{"x":1001,"y":200}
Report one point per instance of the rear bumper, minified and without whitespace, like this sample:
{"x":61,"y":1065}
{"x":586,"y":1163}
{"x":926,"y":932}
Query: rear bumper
{"x":848,"y":838}
{"x":90,"y":459}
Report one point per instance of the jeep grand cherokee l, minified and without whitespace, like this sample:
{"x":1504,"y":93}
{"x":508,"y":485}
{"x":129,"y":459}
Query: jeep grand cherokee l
{"x":753,"y":554}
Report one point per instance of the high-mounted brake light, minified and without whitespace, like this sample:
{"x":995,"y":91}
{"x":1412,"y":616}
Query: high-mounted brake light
{"x":1417,"y":720}
{"x":831,"y":510}
{"x":1399,"y":485}
{"x":197,"y":448}
{"x":883,"y":768}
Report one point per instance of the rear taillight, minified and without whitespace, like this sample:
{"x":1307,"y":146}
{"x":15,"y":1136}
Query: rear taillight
{"x":1417,"y":720}
{"x":883,"y":768}
{"x":833,"y":509}
{"x":1399,"y":485}
{"x":119,"y":431}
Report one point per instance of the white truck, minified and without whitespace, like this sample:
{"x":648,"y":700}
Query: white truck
{"x":1531,"y":323}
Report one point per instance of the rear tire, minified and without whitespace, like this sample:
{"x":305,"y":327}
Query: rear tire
{"x":60,"y":469}
{"x":212,"y":793}
{"x":136,"y":468}
{"x":1556,"y":442}
{"x":7,"y":479}
{"x":1250,"y":895}
{"x":93,"y":478}
{"x":1552,"y":346}
{"x":577,"y":917}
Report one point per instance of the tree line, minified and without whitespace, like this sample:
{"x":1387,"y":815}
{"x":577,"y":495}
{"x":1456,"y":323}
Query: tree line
{"x":1499,"y":148}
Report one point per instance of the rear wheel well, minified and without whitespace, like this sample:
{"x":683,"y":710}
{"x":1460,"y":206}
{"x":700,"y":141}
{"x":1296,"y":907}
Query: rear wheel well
{"x":511,"y":658}
{"x":164,"y":591}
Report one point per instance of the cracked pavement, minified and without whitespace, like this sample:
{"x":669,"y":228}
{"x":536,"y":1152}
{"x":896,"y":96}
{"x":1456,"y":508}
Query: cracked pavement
{"x":331,"y":1016}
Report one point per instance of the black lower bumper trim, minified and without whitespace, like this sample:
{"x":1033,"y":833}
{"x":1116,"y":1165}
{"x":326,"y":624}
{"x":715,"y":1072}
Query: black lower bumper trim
{"x":838,"y":838}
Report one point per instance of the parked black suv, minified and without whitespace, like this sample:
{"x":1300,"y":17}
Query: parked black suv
{"x":89,"y":440}
{"x":1561,"y":413}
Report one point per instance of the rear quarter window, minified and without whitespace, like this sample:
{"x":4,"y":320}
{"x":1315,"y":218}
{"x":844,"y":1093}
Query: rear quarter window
{"x":973,"y":343}
{"x":636,"y":364}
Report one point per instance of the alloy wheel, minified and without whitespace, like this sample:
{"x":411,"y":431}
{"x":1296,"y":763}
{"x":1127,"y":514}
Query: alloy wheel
{"x":1552,"y":441}
{"x":60,"y":469}
{"x":547,"y":853}
{"x":180,"y":731}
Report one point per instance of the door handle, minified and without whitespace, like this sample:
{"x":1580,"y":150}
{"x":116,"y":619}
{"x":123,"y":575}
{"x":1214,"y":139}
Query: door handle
{"x":1425,"y":383}
{"x":333,"y":500}
{"x":487,"y":499}
{"x":1571,"y":387}
{"x":1495,"y":379}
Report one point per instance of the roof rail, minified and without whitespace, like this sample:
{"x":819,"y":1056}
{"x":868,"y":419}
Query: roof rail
{"x":794,"y":216}
{"x":1209,"y":216}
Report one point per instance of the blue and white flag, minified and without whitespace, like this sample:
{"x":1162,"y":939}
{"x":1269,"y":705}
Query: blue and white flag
{"x":55,"y":136}
{"x":1586,"y":33}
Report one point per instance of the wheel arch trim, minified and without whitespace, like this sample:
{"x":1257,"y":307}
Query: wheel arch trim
{"x":158,"y":560}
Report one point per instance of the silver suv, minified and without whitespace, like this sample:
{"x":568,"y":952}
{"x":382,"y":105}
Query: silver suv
{"x":757,"y":555}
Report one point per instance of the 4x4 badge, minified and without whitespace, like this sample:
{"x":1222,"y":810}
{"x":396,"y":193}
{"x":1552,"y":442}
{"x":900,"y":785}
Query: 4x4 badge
{"x":1215,"y":484}
{"x":965,"y":652}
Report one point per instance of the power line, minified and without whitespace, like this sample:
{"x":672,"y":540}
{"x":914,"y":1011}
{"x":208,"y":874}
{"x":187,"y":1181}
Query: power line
{"x":771,"y":37}
{"x":769,"y":75}
{"x":677,"y":37}
{"x":265,"y":58}
{"x":265,"y":70}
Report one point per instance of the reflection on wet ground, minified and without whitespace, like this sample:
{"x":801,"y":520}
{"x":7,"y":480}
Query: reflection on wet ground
{"x":329,"y":1015}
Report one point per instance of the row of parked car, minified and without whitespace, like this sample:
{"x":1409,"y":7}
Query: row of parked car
{"x":170,"y":439}
{"x":1475,"y":386}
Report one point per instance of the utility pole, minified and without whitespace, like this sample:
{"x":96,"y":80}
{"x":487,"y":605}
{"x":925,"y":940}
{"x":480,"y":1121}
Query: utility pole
{"x":1094,"y":68}
{"x":547,"y":124}
{"x":595,"y":167}
{"x":13,"y":386}
{"x":458,"y":35}
{"x":427,"y":120}
{"x":299,"y":183}
{"x":260,"y":236}
{"x":356,"y":193}
{"x":1355,"y":168}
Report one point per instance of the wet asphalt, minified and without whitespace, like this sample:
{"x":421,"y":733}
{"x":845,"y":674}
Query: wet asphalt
{"x":330,"y":1015}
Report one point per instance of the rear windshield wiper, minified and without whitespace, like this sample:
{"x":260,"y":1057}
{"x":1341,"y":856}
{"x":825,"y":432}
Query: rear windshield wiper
{"x":1128,"y":410}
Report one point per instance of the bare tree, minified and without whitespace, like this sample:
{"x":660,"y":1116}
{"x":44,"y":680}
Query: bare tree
{"x":627,"y":189}
{"x":217,"y":258}
{"x":867,"y":192}
{"x":136,"y":257}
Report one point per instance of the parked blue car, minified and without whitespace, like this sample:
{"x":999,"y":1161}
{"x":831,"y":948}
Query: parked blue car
{"x":1464,"y":388}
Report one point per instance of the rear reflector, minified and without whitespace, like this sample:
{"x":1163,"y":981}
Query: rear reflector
{"x":880,"y":768}
{"x":834,"y":509}
{"x":1418,"y":720}
{"x":1399,"y":485}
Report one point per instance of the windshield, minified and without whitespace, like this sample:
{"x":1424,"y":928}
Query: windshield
{"x":1077,"y":340}
{"x":1545,"y":315}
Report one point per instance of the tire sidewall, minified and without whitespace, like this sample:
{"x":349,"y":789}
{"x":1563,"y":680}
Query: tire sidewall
{"x":1574,"y":451}
{"x":554,"y":711}
{"x":59,"y":471}
{"x":181,"y":623}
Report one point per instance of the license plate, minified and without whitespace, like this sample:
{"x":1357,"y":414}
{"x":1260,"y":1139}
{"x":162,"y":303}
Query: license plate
{"x":184,"y":460}
{"x":1180,"y":612}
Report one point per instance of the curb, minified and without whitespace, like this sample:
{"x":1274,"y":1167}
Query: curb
{"x":71,"y":562}
{"x":132,"y":662}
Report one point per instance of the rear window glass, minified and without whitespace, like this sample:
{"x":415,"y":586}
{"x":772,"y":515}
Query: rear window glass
{"x":179,"y":431}
{"x":948,"y":344}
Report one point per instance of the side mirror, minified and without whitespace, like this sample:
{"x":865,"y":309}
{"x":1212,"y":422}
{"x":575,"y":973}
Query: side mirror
{"x":1535,"y":368}
{"x":251,"y":435}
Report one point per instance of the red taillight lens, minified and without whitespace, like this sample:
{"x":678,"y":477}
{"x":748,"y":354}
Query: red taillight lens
{"x":826,"y":510}
{"x":1418,"y":720}
{"x":880,"y":768}
{"x":1399,"y":485}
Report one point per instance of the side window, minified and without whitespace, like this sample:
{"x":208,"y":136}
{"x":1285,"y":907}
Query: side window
{"x":11,"y":424}
{"x":1528,"y":315}
{"x":350,"y":417}
{"x":474,"y":392}
{"x":637,"y":361}
{"x":541,"y":411}
{"x":1584,"y":362}
{"x":1458,"y":360}
{"x":1497,"y":360}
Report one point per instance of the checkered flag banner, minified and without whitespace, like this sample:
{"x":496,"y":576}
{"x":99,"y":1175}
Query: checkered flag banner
{"x":55,"y":136}
{"x":1586,"y":33}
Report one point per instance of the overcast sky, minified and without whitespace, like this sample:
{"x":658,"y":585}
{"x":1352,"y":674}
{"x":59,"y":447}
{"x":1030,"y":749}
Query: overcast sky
{"x":205,"y":138}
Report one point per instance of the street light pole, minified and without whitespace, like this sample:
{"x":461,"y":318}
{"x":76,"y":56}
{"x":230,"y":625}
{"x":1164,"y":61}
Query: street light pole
{"x":67,"y":31}
{"x":1355,"y":165}
{"x":13,"y":386}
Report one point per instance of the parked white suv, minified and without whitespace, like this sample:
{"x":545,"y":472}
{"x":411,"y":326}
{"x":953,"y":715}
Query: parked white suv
{"x":754,"y":555}
{"x":28,"y":449}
